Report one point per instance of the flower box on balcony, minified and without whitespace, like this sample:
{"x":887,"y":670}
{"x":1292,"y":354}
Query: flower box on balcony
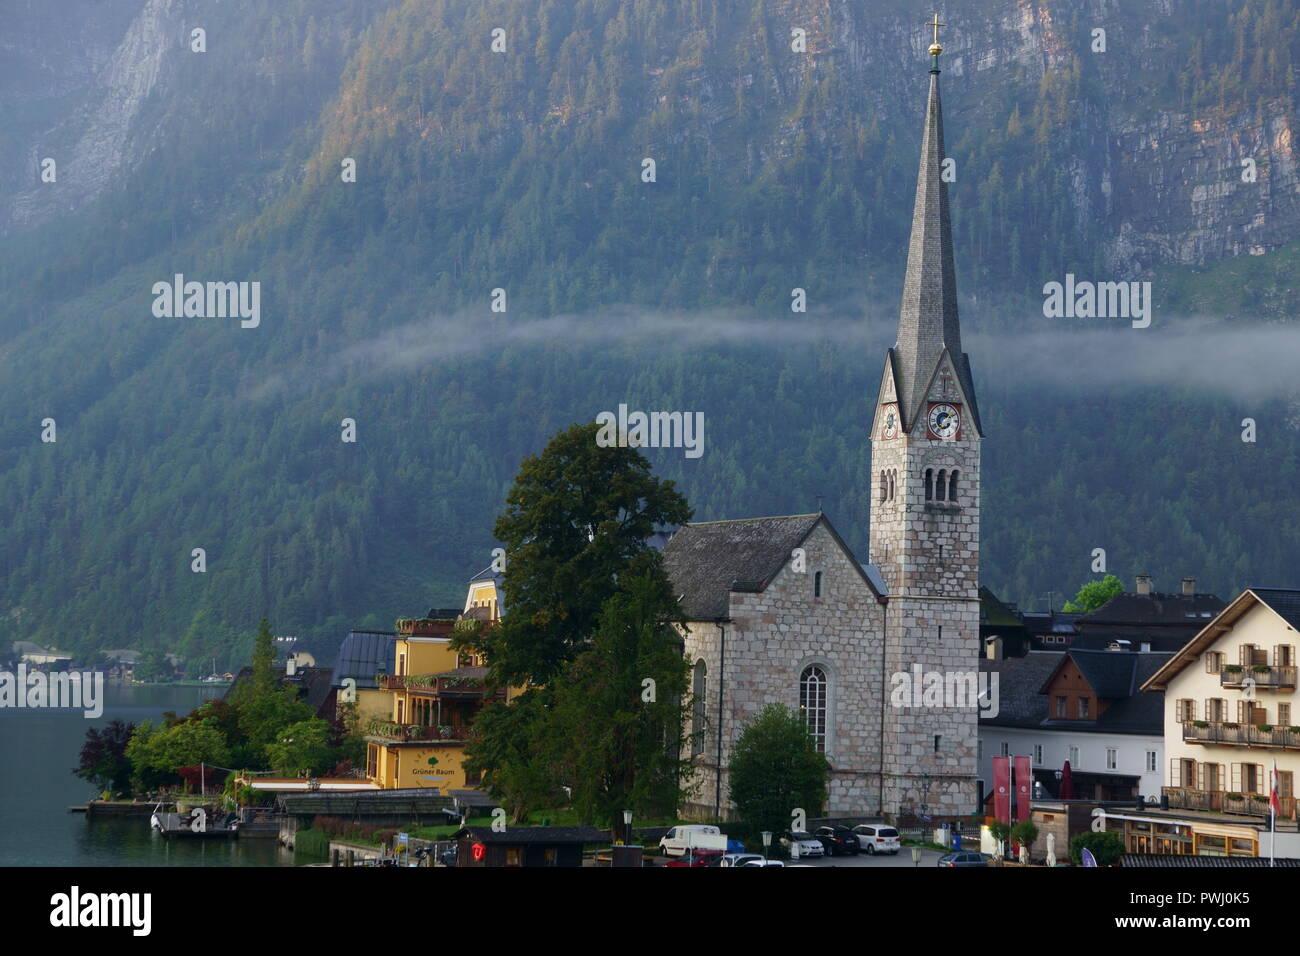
{"x":1202,"y":724}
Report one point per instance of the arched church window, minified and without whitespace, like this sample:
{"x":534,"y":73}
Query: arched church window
{"x":814,"y":698}
{"x":940,"y":485}
{"x":952,"y":486}
{"x":817,"y":584}
{"x":884,"y":485}
{"x":929,"y":483}
{"x":699,"y":691}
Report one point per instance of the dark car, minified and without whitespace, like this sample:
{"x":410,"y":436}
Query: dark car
{"x":965,"y":858}
{"x":448,"y":857}
{"x":837,"y":840}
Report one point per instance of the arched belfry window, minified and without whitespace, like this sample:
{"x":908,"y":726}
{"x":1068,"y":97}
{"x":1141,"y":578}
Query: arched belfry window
{"x":699,"y":701}
{"x":817,"y":584}
{"x":940,"y":485}
{"x":884,"y":485}
{"x":952,"y":486}
{"x":814,"y":701}
{"x":929,"y":484}
{"x":892,"y":475}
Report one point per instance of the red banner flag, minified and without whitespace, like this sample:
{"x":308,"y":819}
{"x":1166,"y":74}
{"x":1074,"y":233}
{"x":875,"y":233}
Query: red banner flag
{"x":1002,"y":788}
{"x":1024,"y":781}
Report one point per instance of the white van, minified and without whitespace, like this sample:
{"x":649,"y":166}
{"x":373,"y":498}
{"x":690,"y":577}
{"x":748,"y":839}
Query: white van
{"x":701,"y":836}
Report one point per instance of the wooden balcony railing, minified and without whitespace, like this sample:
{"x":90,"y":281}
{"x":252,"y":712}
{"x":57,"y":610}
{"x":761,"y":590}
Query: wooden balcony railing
{"x":1222,"y":801}
{"x":1204,"y":732}
{"x":1267,"y":678}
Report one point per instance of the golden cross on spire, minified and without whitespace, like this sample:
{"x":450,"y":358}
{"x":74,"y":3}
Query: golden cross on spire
{"x":935,"y":48}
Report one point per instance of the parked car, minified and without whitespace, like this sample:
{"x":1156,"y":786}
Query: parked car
{"x":448,"y":857}
{"x":676,"y":841}
{"x":809,"y":845}
{"x":877,"y":838}
{"x":747,"y":859}
{"x":838,"y":840}
{"x":697,"y":859}
{"x":964,"y":858}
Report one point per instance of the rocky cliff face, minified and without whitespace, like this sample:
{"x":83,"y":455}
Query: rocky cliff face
{"x":1160,"y":183}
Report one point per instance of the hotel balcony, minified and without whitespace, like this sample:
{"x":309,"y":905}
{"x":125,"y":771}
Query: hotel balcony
{"x":1241,"y":735}
{"x":391,"y":732}
{"x":1265,"y":678}
{"x":1221,"y":801}
{"x":467,"y":683}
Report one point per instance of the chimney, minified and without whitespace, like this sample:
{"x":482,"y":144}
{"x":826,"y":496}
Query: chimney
{"x":290,"y":666}
{"x":993,"y":649}
{"x":1144,"y":584}
{"x":1189,"y":587}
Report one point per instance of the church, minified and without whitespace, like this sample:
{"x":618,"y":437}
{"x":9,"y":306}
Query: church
{"x":781,"y":610}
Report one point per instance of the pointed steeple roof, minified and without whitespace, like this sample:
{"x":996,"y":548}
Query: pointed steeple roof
{"x":927,"y":320}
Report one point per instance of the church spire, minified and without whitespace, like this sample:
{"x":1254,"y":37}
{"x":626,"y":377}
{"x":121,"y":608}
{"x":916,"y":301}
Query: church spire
{"x":927,"y":322}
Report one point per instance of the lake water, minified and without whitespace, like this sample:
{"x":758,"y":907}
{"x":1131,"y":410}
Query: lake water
{"x":38,"y":750}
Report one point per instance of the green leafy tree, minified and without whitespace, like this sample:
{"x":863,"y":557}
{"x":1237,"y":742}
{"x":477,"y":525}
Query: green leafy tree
{"x":576,"y":528}
{"x":1095,"y":594}
{"x":577,"y":520}
{"x":776,"y":767}
{"x":1024,"y":833}
{"x":302,"y":748}
{"x":504,"y":747}
{"x":186,"y":744}
{"x":1106,"y":847}
{"x":263,"y":718}
{"x":620,"y":738}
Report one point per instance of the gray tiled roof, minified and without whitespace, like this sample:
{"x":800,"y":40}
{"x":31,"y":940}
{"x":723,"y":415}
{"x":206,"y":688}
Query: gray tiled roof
{"x":927,"y":321}
{"x":1285,"y":601}
{"x":1114,"y":675}
{"x":705,"y":560}
{"x":1020,"y":680}
{"x":1155,"y":609}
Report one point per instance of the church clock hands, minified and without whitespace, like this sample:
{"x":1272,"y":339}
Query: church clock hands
{"x":945,"y":421}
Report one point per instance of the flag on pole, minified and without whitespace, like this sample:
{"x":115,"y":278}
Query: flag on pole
{"x":1274,"y":803}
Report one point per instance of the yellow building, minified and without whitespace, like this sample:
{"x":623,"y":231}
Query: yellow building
{"x":433,"y":695}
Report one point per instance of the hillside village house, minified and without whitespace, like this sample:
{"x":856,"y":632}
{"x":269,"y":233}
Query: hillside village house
{"x":1229,"y":716}
{"x":1082,"y":706}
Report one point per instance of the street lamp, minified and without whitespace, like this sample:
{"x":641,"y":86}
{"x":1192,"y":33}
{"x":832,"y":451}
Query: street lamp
{"x":627,"y":826}
{"x":767,"y":842}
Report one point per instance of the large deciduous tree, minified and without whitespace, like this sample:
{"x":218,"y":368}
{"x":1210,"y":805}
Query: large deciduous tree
{"x":589,"y":615}
{"x":776,"y":769}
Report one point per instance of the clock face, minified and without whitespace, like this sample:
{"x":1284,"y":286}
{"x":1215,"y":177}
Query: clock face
{"x":945,"y":421}
{"x":889,"y":422}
